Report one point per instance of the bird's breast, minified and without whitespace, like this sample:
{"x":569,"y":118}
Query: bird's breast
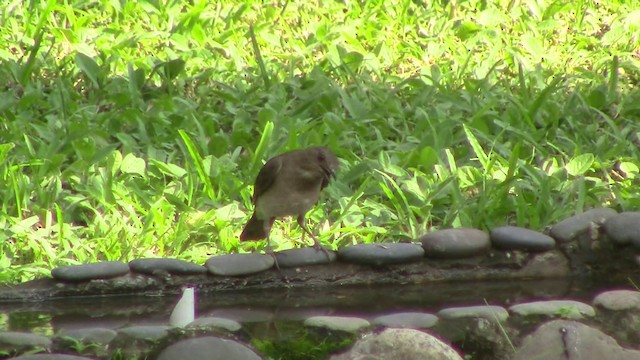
{"x":286,"y":200}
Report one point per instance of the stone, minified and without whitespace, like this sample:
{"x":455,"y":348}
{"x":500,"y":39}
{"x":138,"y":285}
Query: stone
{"x":85,"y":272}
{"x":406,"y":344}
{"x":349,"y":324}
{"x":455,"y":243}
{"x":209,"y":322}
{"x":239,"y":264}
{"x":624,"y":228}
{"x":153,"y":266}
{"x":567,"y":229}
{"x":50,"y":357}
{"x":208,"y":348}
{"x":96,"y":335}
{"x":381,"y":254}
{"x":304,"y":257}
{"x":618,"y":300}
{"x":517,"y":238}
{"x":414,"y":320}
{"x":569,"y":309}
{"x":12,"y":340}
{"x":489,"y":312}
{"x":568,"y":339}
{"x":145,"y":332}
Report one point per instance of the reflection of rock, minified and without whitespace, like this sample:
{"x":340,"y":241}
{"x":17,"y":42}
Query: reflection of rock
{"x":95,"y":340}
{"x":210,"y":322}
{"x":50,"y":357}
{"x":337,"y":323}
{"x":22,"y":341}
{"x":406,"y":344}
{"x":413,"y":320}
{"x":136,"y":341}
{"x":208,"y":348}
{"x":567,"y":339}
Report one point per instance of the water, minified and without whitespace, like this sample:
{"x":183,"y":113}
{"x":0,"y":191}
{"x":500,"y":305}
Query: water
{"x":266,"y":306}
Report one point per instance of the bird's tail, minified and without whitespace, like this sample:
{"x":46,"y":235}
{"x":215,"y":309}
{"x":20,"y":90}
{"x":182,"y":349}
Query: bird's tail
{"x":255,"y":229}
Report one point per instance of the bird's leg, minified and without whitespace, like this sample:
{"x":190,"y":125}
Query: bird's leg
{"x":269,"y":249}
{"x":316,"y":243}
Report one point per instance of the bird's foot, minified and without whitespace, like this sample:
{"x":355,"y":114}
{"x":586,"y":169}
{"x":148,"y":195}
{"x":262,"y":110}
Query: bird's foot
{"x":270,"y":251}
{"x":326,"y":251}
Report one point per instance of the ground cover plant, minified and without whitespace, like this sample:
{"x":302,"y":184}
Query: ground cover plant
{"x":135,"y":129}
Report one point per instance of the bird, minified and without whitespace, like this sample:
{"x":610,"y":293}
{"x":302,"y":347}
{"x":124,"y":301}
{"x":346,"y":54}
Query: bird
{"x":289,"y":185}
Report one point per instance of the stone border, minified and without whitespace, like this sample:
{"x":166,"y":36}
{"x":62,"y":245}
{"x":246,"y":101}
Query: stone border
{"x":579,"y":246}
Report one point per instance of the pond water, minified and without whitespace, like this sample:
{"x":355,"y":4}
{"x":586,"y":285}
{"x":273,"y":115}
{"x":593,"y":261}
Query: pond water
{"x":260,"y":307}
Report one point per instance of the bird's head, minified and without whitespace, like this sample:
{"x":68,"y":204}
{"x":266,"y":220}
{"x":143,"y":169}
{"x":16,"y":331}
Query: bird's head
{"x":327,"y":162}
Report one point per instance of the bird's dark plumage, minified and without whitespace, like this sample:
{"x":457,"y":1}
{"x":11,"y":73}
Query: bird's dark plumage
{"x":289,"y":185}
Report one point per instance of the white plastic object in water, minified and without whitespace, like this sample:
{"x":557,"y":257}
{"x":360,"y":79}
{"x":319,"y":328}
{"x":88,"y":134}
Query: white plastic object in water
{"x":185,"y":310}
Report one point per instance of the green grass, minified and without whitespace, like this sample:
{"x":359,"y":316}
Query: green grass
{"x":134,"y":129}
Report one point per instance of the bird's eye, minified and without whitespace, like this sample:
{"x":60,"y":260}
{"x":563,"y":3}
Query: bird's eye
{"x":321,"y":156}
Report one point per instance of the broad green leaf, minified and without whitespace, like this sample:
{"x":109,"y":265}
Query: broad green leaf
{"x":89,"y":67}
{"x":428,"y":158}
{"x":580,"y":164}
{"x":133,"y":165}
{"x":173,"y":68}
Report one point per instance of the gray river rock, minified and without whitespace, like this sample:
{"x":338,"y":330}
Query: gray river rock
{"x":569,"y":228}
{"x":455,"y":243}
{"x":406,"y":344}
{"x":624,"y":228}
{"x":85,"y":272}
{"x":153,"y":266}
{"x":618,"y":300}
{"x":239,"y":264}
{"x":208,"y":348}
{"x":381,"y":254}
{"x":517,"y":238}
{"x":567,"y":339}
{"x":489,"y":312}
{"x":564,"y":308}
{"x":304,"y":257}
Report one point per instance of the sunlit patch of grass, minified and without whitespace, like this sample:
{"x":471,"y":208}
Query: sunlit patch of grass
{"x":136,"y":129}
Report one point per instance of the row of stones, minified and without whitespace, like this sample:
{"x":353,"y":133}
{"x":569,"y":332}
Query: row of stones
{"x":617,"y":300}
{"x":622,"y":228}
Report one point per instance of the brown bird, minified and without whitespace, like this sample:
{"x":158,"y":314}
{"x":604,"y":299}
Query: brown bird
{"x":289,"y":185}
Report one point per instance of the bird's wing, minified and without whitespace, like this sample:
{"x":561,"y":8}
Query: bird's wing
{"x":266,"y":177}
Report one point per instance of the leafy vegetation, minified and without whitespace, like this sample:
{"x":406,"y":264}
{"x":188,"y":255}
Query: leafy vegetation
{"x":135,"y":129}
